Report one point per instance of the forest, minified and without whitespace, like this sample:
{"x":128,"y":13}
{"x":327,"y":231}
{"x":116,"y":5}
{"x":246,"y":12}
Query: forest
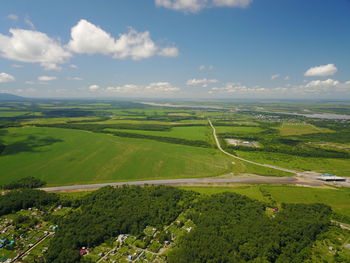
{"x":109,"y":212}
{"x":25,"y":182}
{"x":234,"y":228}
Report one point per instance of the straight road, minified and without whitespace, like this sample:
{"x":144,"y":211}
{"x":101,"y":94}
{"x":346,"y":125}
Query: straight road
{"x":191,"y":181}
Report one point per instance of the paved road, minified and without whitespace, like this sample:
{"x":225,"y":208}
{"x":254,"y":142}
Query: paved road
{"x":192,"y":181}
{"x":245,"y":160}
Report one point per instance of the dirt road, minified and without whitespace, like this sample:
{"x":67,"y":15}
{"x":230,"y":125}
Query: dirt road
{"x":245,"y":160}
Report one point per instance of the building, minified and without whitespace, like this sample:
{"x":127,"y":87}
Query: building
{"x":331,"y":178}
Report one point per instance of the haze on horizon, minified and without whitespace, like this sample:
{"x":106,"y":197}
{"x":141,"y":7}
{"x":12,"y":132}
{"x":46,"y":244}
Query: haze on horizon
{"x":211,"y":49}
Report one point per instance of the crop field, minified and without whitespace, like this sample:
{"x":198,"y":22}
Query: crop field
{"x":76,"y":142}
{"x":237,"y":130}
{"x":12,"y":113}
{"x":295,"y":128}
{"x":190,"y":133}
{"x":63,"y":156}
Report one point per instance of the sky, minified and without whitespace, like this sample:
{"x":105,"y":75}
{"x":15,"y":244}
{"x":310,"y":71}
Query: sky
{"x":282,"y":49}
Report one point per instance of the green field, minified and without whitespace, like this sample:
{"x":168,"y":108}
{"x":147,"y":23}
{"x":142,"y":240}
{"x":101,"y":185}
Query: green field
{"x":12,"y":113}
{"x":63,"y":157}
{"x":338,"y":199}
{"x":202,"y":133}
{"x":340,"y":167}
{"x":237,"y":130}
{"x":299,"y":128}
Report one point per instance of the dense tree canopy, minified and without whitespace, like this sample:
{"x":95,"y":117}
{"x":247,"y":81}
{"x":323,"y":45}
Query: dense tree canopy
{"x":26,"y":182}
{"x":233,"y":228}
{"x":22,"y":199}
{"x":108,"y":212}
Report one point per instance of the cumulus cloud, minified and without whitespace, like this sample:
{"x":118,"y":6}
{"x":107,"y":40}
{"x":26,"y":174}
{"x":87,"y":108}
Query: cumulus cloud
{"x":4,"y":77}
{"x":194,"y":6}
{"x":46,"y":78}
{"x":322,"y":83}
{"x":94,"y":87}
{"x":204,"y":67}
{"x":321,"y":71}
{"x":154,"y":87}
{"x":33,"y":47}
{"x":275,"y":76}
{"x":239,"y":89}
{"x":87,"y":38}
{"x":201,"y":82}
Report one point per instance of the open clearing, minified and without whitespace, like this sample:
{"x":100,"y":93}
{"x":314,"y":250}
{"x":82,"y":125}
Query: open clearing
{"x":63,"y":157}
{"x":299,"y":128}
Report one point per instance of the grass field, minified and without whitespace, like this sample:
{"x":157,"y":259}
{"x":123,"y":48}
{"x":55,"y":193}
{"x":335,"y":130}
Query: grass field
{"x":299,"y":128}
{"x":189,"y":133}
{"x":340,"y":167}
{"x":63,"y":157}
{"x":237,"y":130}
{"x":12,"y":113}
{"x":338,"y":199}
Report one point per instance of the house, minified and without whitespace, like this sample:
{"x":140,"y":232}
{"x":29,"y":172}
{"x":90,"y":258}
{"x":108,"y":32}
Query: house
{"x":83,"y":251}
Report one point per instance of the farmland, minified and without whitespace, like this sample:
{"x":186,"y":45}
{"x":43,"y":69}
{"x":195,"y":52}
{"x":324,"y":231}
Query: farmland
{"x":81,"y":142}
{"x":63,"y":156}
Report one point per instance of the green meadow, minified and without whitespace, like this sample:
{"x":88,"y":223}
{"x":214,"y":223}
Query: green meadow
{"x":299,"y":128}
{"x":190,"y":133}
{"x":237,"y":130}
{"x":337,"y":166}
{"x":64,"y":156}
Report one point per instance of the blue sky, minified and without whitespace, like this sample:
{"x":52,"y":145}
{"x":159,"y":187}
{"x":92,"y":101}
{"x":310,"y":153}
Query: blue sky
{"x":176,"y":48}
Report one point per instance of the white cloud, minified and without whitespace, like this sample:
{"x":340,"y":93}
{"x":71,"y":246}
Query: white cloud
{"x":322,"y":83}
{"x":94,"y":87}
{"x":12,"y":17}
{"x":4,"y":77}
{"x":286,"y":78}
{"x":232,"y":3}
{"x":33,"y":47}
{"x":204,"y":67}
{"x":16,"y":66}
{"x":238,"y":88}
{"x":152,"y":88}
{"x":203,"y":82}
{"x":73,"y":66}
{"x":321,"y":71}
{"x":74,"y":78}
{"x":194,"y":6}
{"x":87,"y":38}
{"x":275,"y":76}
{"x":29,"y":23}
{"x":46,"y":78}
{"x":161,"y":86}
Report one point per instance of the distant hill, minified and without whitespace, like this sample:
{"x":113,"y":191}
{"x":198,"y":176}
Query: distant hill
{"x":11,"y":97}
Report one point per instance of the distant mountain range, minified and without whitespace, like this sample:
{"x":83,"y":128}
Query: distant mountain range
{"x":11,"y":97}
